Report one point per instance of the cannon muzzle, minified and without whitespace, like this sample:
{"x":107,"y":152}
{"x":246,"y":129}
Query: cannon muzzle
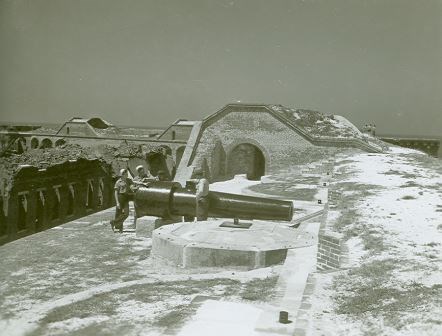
{"x":167,"y":199}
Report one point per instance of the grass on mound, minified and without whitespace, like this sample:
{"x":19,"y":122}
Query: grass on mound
{"x":349,"y":221}
{"x":373,"y":293}
{"x":259,"y":289}
{"x":367,"y":292}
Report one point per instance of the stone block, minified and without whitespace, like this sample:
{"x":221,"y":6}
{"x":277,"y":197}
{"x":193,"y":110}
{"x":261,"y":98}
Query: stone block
{"x":206,"y":244}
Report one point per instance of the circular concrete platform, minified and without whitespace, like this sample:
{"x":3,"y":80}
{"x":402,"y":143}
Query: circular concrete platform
{"x":206,"y":244}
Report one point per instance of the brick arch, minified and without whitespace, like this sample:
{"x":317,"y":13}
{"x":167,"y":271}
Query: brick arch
{"x":46,"y":143}
{"x":247,"y":156}
{"x":35,"y":143}
{"x":167,"y":149}
{"x":229,"y":147}
{"x":60,"y":142}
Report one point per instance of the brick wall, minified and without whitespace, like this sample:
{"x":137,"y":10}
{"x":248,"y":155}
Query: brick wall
{"x":280,"y":145}
{"x":330,"y":250}
{"x":177,"y":132}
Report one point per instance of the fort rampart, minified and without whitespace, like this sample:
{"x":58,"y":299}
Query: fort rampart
{"x":39,"y":199}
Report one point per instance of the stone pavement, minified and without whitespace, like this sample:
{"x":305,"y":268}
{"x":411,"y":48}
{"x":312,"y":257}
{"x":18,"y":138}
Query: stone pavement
{"x":300,"y":262}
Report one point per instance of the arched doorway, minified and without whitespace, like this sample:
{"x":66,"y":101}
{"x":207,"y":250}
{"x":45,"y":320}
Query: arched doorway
{"x":60,"y":142}
{"x":46,"y":143}
{"x":55,"y":210}
{"x":70,"y":200}
{"x":246,"y":159}
{"x":34,"y":143}
{"x":40,"y":211}
{"x":160,"y":160}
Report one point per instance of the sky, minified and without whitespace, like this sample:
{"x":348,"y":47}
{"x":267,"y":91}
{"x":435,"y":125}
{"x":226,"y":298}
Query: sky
{"x":148,"y":63}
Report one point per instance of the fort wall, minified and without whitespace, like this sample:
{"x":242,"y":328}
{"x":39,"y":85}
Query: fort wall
{"x":280,"y":145}
{"x":43,"y":198}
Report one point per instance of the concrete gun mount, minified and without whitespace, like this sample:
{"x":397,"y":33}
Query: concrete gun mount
{"x":167,"y":199}
{"x":217,"y":242}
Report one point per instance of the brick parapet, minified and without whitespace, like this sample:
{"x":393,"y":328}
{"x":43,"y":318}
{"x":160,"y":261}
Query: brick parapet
{"x":330,"y":250}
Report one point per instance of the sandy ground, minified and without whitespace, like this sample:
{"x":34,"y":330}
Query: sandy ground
{"x":390,"y":212}
{"x":82,"y":279}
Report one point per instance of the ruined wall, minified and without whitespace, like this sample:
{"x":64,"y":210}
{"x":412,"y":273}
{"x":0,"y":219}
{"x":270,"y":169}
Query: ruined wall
{"x":43,"y":198}
{"x":177,"y":132}
{"x":280,"y":145}
{"x":76,"y":129}
{"x":37,"y":141}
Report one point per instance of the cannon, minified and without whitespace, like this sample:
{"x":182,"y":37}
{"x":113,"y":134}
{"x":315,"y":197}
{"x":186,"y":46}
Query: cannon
{"x":167,"y":199}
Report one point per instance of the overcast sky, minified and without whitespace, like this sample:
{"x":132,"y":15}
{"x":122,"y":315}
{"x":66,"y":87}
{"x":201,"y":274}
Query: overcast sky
{"x":148,"y":63}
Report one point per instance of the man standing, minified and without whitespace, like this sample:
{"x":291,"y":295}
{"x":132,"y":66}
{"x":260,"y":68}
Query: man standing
{"x":122,"y":192}
{"x":142,"y":179}
{"x":201,"y":193}
{"x":142,"y":176}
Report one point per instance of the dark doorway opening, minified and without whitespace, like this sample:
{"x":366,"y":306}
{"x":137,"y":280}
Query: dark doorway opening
{"x":40,"y":210}
{"x":60,"y":142}
{"x":70,"y":200}
{"x":46,"y":143}
{"x":100,"y":196}
{"x":161,"y":161}
{"x":22,"y":212}
{"x":55,"y":210}
{"x":90,"y":195}
{"x":3,"y":227}
{"x":246,"y":159}
{"x":34,"y":143}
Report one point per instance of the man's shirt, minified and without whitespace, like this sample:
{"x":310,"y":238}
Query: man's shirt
{"x":122,"y":185}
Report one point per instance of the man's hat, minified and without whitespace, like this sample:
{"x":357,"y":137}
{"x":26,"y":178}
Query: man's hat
{"x":123,"y":171}
{"x":139,"y":167}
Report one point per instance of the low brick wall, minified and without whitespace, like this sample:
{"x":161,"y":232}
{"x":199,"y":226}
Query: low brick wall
{"x":330,"y":250}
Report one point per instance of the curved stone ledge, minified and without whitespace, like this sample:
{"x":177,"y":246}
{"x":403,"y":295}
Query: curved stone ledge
{"x":206,"y":244}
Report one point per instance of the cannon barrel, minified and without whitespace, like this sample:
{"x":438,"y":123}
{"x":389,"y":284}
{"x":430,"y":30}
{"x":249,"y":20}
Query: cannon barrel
{"x":167,"y":199}
{"x":226,"y":205}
